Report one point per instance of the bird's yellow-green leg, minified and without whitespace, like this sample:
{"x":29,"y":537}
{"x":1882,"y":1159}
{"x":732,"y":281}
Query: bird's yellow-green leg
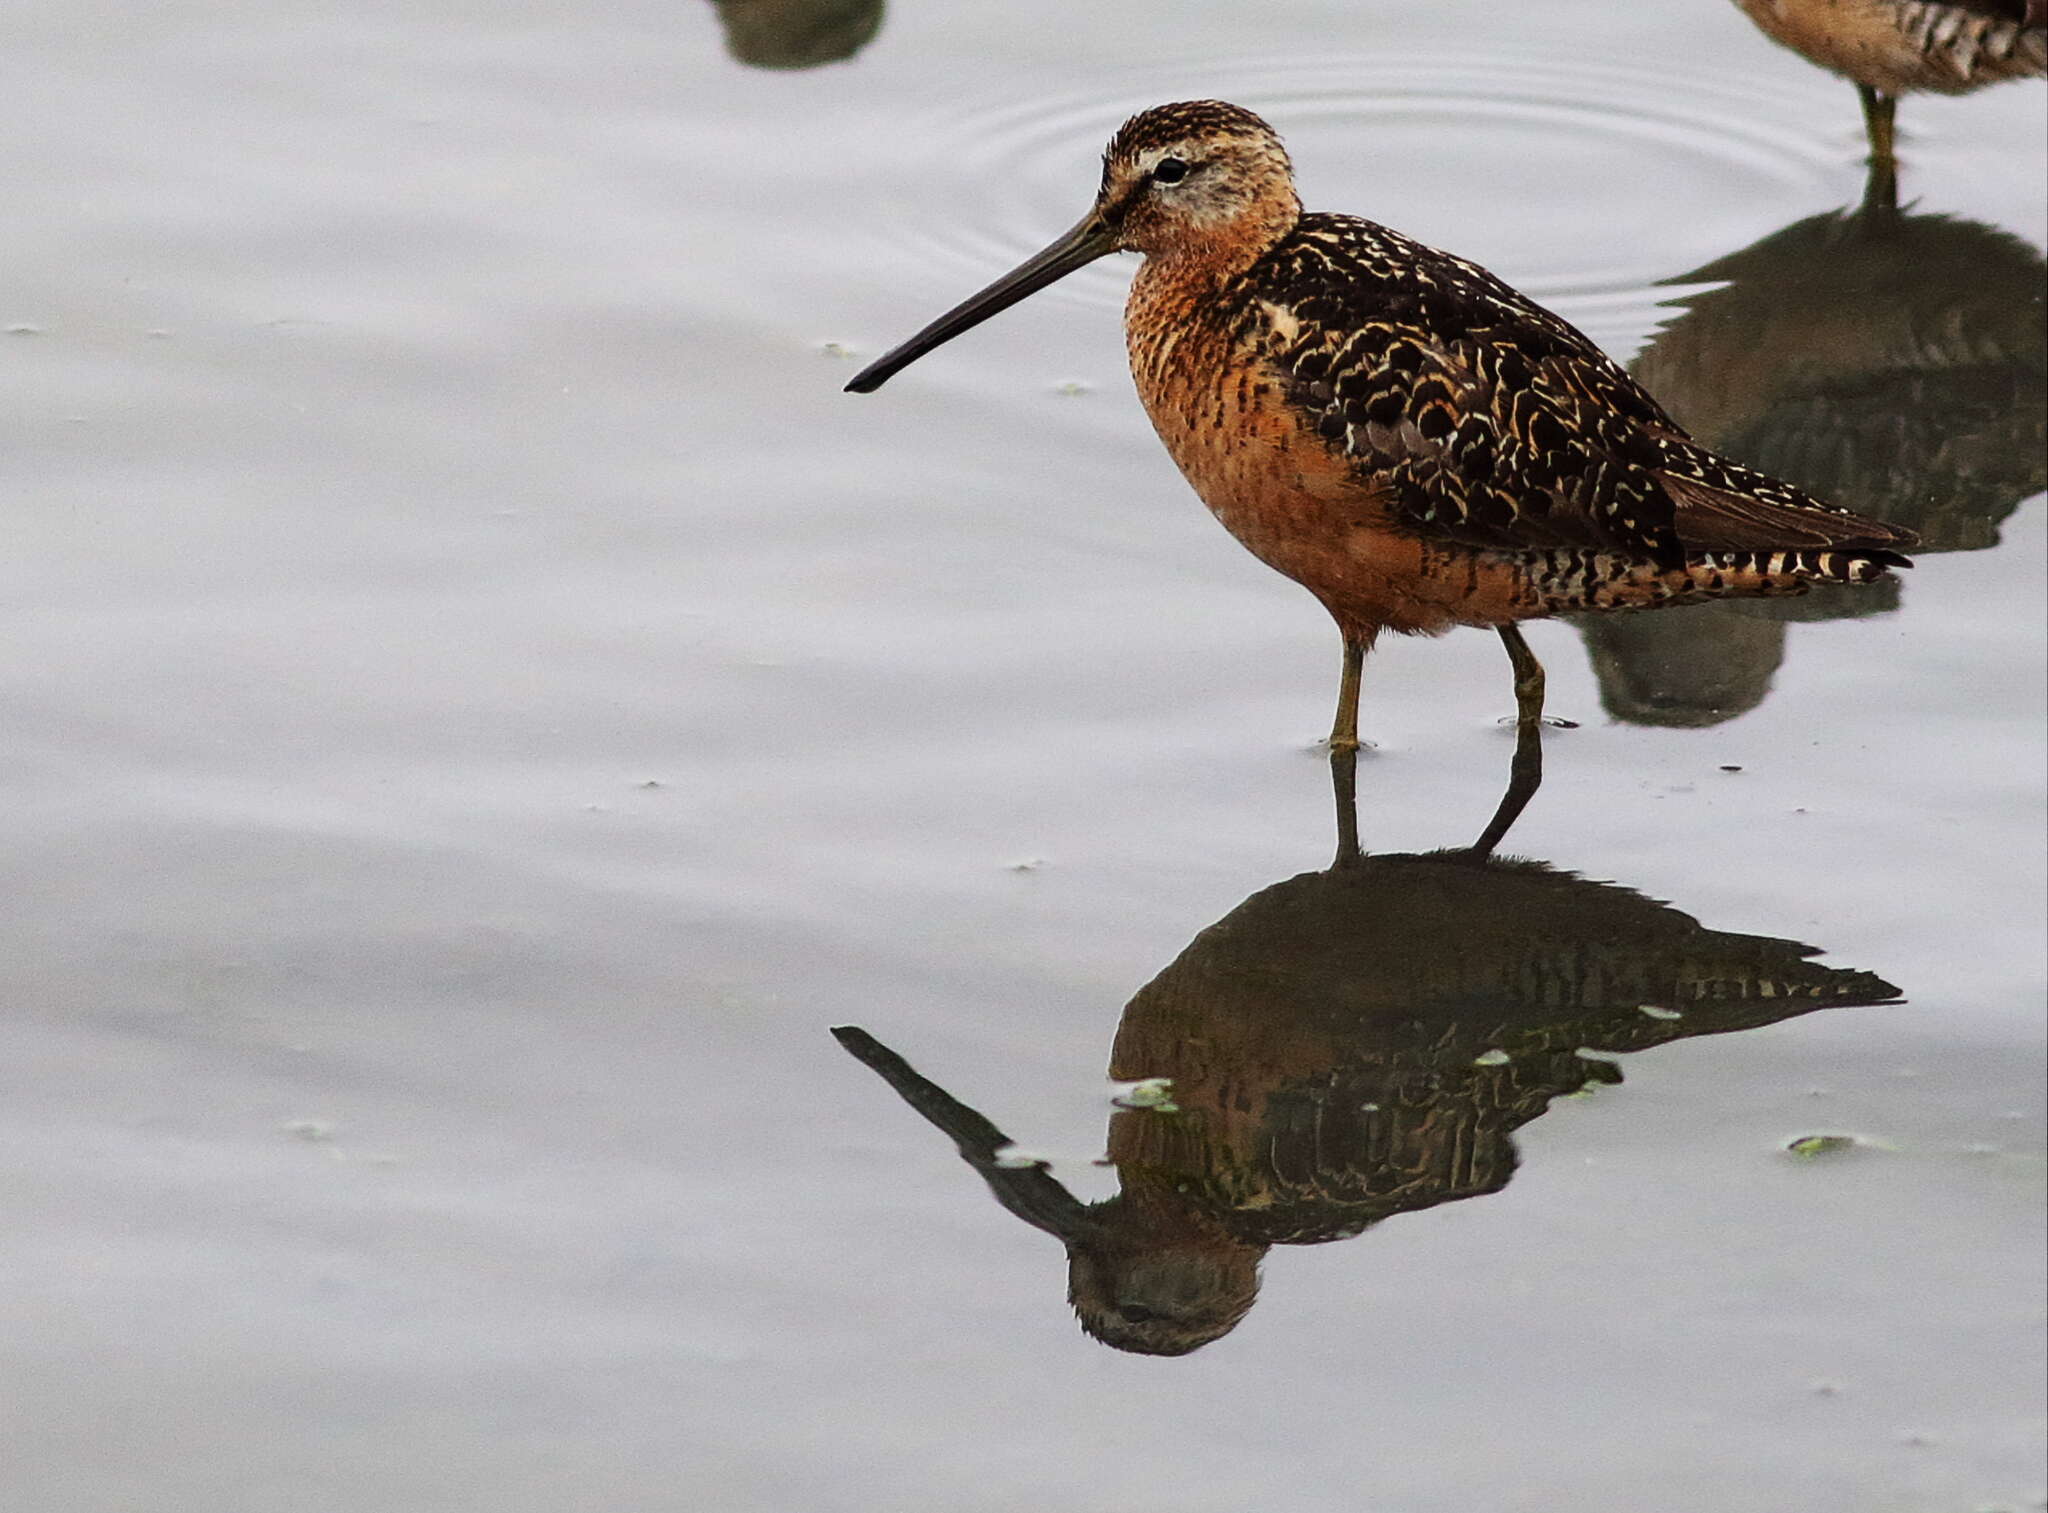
{"x":1344,"y":733}
{"x":1526,"y":775}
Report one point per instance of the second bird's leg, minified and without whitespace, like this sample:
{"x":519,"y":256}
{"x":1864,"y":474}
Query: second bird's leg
{"x":1344,"y":754}
{"x":1526,"y":775}
{"x":1881,"y":189}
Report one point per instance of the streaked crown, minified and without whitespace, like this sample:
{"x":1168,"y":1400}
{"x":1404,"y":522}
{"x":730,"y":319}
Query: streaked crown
{"x":1189,"y":121}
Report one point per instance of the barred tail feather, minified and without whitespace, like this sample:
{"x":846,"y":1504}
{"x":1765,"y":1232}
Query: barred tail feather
{"x":1570,"y":582}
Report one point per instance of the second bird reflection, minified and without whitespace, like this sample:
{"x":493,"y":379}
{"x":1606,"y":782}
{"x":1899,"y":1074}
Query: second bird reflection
{"x":1357,"y":1043}
{"x":1895,"y":362}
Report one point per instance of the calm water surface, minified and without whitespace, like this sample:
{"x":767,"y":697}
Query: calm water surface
{"x":481,"y":704}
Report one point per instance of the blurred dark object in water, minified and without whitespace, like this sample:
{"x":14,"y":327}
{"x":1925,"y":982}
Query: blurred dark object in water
{"x":797,"y":33}
{"x":1889,"y":48}
{"x":1357,"y":1043}
{"x":1897,"y":363}
{"x":1683,"y":669}
{"x":1893,"y":363}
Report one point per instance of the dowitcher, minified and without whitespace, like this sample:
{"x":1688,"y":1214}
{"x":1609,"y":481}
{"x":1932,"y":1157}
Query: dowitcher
{"x":1399,"y":431}
{"x":1888,"y":48}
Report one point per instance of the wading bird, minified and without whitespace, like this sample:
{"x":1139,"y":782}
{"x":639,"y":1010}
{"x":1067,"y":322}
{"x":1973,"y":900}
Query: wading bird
{"x":1888,"y":48}
{"x":1399,"y":431}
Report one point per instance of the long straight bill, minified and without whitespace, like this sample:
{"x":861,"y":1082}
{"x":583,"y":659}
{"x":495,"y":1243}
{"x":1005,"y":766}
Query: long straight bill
{"x":1084,"y":244}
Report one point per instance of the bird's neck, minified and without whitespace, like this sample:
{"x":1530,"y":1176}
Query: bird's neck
{"x":1186,"y":279}
{"x":1225,"y":249}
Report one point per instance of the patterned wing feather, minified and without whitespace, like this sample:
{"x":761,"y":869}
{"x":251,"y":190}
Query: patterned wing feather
{"x":1492,"y":423}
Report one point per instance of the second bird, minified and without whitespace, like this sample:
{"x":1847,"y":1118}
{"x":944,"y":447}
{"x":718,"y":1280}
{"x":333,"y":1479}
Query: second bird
{"x":1400,"y":432}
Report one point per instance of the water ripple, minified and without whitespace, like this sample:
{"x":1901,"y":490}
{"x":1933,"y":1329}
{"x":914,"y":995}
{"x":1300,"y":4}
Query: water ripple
{"x":1565,"y":175}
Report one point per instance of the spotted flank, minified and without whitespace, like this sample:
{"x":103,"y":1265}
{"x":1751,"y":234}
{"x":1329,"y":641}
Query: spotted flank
{"x":1973,"y":42}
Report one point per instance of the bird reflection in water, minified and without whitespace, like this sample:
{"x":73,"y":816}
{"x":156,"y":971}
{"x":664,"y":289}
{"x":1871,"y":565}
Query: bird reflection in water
{"x":797,"y":33}
{"x":1357,"y":1043}
{"x":1894,"y":362}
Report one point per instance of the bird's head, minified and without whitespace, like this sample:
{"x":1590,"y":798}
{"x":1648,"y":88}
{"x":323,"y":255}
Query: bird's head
{"x":1201,"y":178}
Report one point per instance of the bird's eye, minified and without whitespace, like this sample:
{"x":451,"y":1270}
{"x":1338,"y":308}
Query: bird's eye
{"x":1134,"y":1313}
{"x":1169,"y":171}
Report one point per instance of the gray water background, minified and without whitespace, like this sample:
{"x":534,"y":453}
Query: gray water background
{"x":480,"y":702}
